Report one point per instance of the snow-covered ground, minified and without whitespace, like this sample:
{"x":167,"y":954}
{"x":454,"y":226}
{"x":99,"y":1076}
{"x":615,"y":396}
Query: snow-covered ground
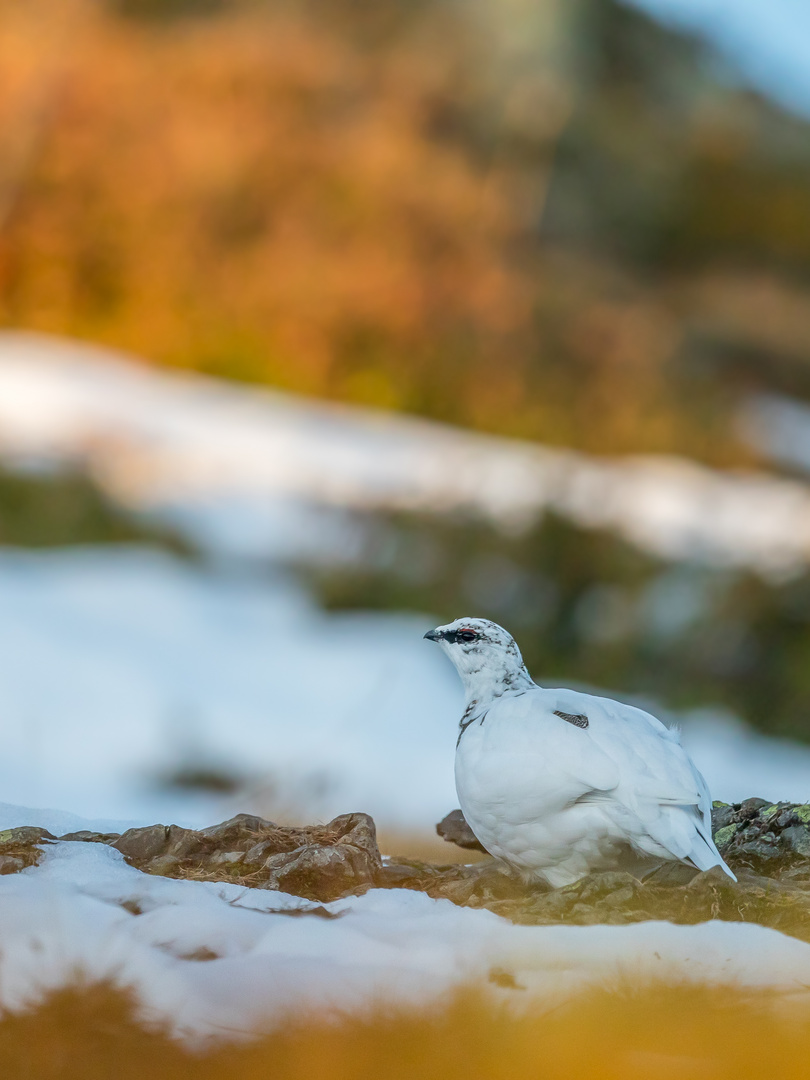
{"x":244,"y":467}
{"x":65,"y":920}
{"x":117,"y":664}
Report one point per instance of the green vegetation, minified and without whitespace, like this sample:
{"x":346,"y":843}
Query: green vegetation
{"x":60,"y":508}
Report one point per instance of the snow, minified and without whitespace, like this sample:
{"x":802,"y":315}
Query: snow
{"x":118,"y":664}
{"x":252,"y":471}
{"x":64,"y":920}
{"x":778,"y":427}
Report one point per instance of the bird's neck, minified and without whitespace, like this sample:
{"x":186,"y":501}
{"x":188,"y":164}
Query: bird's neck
{"x":484,"y":686}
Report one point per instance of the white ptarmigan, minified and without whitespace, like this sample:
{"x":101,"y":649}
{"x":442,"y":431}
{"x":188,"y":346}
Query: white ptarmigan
{"x":557,"y":783}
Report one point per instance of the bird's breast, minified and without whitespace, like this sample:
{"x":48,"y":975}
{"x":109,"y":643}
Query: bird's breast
{"x":511,"y":771}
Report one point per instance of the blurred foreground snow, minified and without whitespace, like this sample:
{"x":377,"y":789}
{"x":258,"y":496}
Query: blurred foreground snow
{"x":65,"y":920}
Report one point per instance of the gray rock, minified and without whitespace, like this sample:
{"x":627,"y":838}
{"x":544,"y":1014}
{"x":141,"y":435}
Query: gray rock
{"x":239,"y":828}
{"x":722,"y":815}
{"x":762,"y":850}
{"x":797,"y":839}
{"x":748,"y":809}
{"x":143,"y":844}
{"x":259,"y":853}
{"x":10,"y":864}
{"x":87,"y":836}
{"x":454,"y":829}
{"x":182,"y":842}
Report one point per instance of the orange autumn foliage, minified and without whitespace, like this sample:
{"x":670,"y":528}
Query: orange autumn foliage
{"x":253,"y":194}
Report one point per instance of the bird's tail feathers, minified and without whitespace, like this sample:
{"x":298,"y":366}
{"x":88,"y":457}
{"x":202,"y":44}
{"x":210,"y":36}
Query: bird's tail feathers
{"x":704,"y":855}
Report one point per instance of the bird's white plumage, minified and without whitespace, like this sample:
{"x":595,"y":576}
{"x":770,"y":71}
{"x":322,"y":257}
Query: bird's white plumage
{"x":558,"y":796}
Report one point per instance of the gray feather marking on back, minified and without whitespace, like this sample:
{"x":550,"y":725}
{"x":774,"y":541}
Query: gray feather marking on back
{"x":579,"y":720}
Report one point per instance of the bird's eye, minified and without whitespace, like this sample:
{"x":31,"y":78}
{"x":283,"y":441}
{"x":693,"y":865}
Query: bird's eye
{"x":467,"y":635}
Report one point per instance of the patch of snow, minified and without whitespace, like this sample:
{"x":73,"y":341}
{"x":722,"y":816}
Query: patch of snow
{"x":117,"y":664}
{"x":64,"y":919}
{"x":778,"y":427}
{"x":248,"y":469}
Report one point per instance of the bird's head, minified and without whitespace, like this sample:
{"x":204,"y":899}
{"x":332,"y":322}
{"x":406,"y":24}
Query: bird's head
{"x":485,"y":655}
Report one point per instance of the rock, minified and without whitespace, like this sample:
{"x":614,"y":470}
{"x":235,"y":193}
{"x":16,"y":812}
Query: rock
{"x":724,"y":836}
{"x":758,"y":850}
{"x":671,"y":873}
{"x":598,"y":885}
{"x":182,"y":842}
{"x":797,"y":839}
{"x":722,"y":815}
{"x":749,"y":808}
{"x":454,"y":829}
{"x":140,"y":845}
{"x":346,"y":860}
{"x":88,"y":837}
{"x":239,"y":828}
{"x":318,"y":873}
{"x":22,"y":847}
{"x":259,"y":853}
{"x":224,"y":858}
{"x":26,"y":834}
{"x":716,"y":878}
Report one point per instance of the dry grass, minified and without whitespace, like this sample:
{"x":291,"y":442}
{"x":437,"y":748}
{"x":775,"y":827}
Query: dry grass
{"x":90,"y":1034}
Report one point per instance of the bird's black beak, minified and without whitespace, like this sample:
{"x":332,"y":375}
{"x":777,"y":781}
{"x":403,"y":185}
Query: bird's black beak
{"x":432,"y":635}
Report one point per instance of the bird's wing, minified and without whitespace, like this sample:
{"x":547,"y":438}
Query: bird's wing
{"x":649,"y":757}
{"x":560,"y":749}
{"x":658,"y":783}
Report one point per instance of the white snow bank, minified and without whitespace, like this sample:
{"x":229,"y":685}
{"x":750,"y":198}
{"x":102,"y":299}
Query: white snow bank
{"x":117,"y":664}
{"x":239,"y":463}
{"x":65,"y":919}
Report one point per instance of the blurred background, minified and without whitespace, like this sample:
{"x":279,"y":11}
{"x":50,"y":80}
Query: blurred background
{"x":326,"y":321}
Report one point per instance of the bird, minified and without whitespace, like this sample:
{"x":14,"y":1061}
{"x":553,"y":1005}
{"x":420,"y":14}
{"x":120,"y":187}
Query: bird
{"x":557,"y":784}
